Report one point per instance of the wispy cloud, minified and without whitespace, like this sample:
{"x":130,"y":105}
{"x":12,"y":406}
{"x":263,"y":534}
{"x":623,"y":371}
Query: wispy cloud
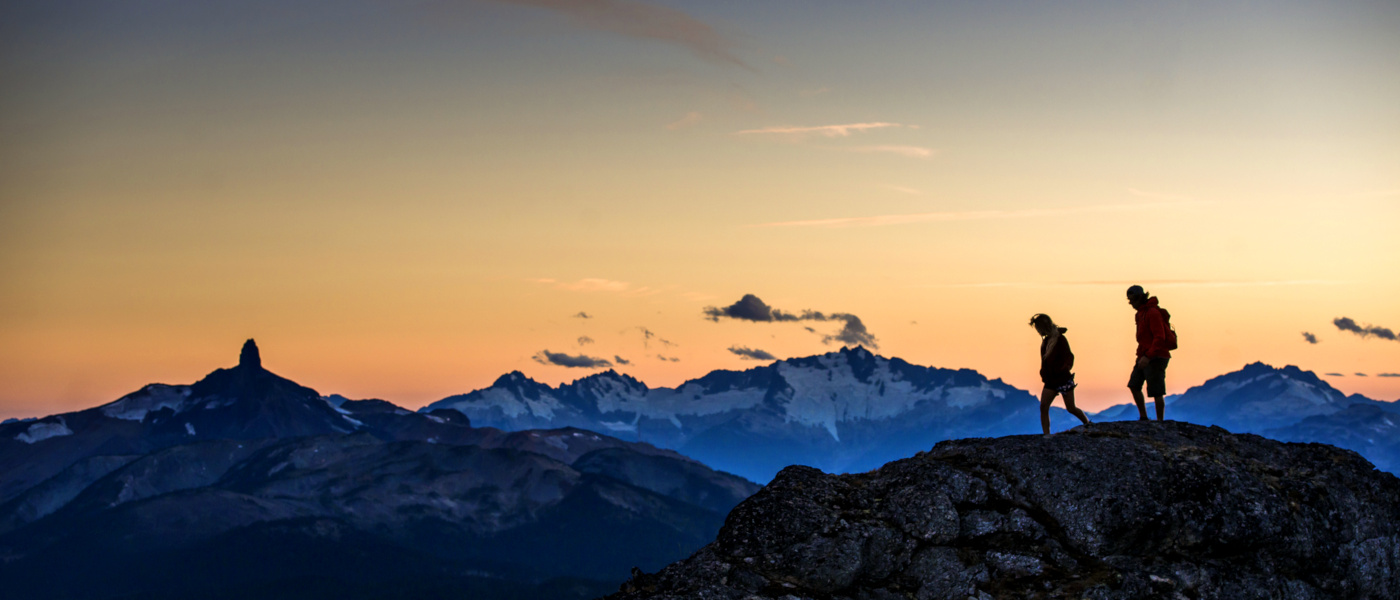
{"x":664,"y":358}
{"x":903,"y":190}
{"x":1312,"y":339}
{"x":621,"y":361}
{"x":1361,"y":375}
{"x":972,"y":215}
{"x":1387,"y":374}
{"x":909,"y":151}
{"x":1173,"y":283}
{"x":824,"y":130}
{"x":751,"y":353}
{"x":584,"y":340}
{"x":594,"y":284}
{"x":649,"y":335}
{"x":1346,"y":324}
{"x":1334,"y":374}
{"x":645,"y":21}
{"x":561,"y":359}
{"x":583,"y":315}
{"x":685,"y":122}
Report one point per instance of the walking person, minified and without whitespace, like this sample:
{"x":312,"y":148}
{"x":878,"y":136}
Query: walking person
{"x":1056,"y":360}
{"x":1155,"y":340}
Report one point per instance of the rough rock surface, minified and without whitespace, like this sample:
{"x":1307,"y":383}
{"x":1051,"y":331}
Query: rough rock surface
{"x":1105,"y":511}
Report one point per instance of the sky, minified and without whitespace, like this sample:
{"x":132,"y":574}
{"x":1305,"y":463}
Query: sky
{"x":407,"y":199}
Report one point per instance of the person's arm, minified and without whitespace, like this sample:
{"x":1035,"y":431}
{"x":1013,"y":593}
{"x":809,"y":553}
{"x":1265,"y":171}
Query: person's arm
{"x":1050,"y":347}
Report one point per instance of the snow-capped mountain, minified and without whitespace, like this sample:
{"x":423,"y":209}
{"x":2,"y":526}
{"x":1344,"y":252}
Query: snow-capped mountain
{"x":1258,"y":397}
{"x":246,"y":484}
{"x":842,"y":411}
{"x":242,"y":402}
{"x":1287,"y":404}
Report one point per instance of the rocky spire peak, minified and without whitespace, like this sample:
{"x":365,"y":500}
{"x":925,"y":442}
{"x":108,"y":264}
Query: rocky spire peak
{"x":249,"y":357}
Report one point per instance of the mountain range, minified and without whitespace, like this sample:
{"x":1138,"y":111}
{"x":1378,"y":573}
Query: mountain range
{"x":842,"y":411}
{"x":852,"y":411}
{"x":1286,"y":404}
{"x":246,"y":484}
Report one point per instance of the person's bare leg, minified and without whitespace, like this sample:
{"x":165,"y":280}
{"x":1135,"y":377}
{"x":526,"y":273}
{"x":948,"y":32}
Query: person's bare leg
{"x":1069,"y":406}
{"x":1141,"y":404}
{"x":1047,"y":396}
{"x":1161,"y":408}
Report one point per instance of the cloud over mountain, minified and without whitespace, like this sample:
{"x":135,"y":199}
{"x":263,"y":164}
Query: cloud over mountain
{"x":1346,"y":324}
{"x":751,"y":308}
{"x":853,"y":332}
{"x":751,"y":353}
{"x":581,"y":361}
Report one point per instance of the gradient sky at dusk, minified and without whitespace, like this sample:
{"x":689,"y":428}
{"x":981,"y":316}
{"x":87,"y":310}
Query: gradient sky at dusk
{"x":405,"y":199}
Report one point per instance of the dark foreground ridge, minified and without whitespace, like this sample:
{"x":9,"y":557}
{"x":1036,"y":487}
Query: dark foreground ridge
{"x":1105,"y":511}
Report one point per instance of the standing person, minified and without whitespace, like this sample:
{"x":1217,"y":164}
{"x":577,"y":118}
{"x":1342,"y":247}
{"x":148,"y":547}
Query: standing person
{"x":1153,"y":353}
{"x":1056,"y":360}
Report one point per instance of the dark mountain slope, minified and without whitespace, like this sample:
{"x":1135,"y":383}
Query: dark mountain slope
{"x":1107,"y":511}
{"x":246,"y":484}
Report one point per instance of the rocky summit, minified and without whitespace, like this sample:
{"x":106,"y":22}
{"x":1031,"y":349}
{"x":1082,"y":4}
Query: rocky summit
{"x":1104,"y":511}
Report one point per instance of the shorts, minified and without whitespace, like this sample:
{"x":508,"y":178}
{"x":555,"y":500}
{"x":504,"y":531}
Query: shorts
{"x":1066,"y":386}
{"x":1154,"y":373}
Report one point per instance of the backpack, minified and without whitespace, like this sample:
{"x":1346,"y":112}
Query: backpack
{"x":1167,"y":325}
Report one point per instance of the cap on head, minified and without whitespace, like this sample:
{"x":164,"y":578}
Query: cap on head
{"x":1136,"y":292}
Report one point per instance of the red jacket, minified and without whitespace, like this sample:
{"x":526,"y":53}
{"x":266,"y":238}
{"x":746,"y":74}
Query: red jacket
{"x":1151,"y":331}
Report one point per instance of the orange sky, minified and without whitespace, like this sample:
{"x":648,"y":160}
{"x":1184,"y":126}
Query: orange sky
{"x":405,"y":203}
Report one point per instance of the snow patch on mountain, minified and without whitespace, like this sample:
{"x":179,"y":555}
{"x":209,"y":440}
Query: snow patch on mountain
{"x":836,"y":385}
{"x":514,"y":406}
{"x":619,"y":426}
{"x":691,"y":399}
{"x":616,"y":394}
{"x":1308,"y":392}
{"x":44,"y":430}
{"x":135,"y":407}
{"x":970,"y":396}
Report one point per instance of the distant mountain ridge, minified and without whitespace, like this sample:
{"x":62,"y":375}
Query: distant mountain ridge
{"x":1287,"y":404}
{"x":850,"y":410}
{"x":245,"y":484}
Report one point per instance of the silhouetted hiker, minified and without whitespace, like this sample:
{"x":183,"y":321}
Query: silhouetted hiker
{"x":1154,"y":344}
{"x":1056,"y":359}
